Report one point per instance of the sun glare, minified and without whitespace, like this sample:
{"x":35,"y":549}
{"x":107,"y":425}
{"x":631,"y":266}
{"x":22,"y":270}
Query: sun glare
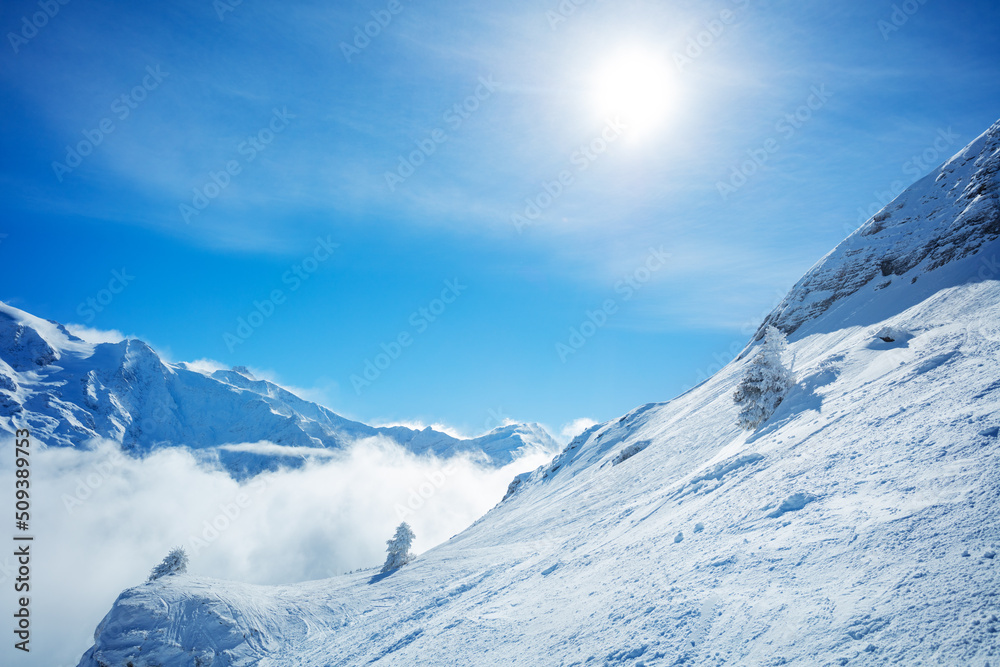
{"x":636,"y":86}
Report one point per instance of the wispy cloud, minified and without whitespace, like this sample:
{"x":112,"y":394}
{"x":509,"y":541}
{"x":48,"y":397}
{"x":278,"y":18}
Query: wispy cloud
{"x":92,"y":335}
{"x":574,"y":428}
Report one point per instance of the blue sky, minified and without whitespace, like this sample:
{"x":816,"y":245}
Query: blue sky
{"x":228,"y":144}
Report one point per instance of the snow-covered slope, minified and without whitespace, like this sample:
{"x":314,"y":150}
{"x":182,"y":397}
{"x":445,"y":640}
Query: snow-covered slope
{"x":69,"y":391}
{"x":859,"y":525}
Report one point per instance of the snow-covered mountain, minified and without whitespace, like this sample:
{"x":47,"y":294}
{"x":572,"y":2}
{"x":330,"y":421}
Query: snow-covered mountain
{"x":859,"y":525}
{"x":69,"y":391}
{"x":948,"y":215}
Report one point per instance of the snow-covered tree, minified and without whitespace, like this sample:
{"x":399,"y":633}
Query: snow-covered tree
{"x":176,"y":562}
{"x":398,"y":548}
{"x":765,"y":382}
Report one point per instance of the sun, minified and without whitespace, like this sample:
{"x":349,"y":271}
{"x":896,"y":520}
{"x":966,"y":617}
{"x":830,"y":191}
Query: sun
{"x":636,"y":86}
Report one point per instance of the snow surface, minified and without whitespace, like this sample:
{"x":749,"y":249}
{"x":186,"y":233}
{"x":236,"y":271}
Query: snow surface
{"x":857,"y":526}
{"x":69,"y":391}
{"x":853,"y":528}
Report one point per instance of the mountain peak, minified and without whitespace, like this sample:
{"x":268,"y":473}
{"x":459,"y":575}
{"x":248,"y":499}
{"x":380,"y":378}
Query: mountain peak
{"x":928,"y":233}
{"x":244,"y":371}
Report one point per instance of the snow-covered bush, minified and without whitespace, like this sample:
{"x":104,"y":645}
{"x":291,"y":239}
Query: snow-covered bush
{"x":765,"y":382}
{"x":176,"y":562}
{"x":893,"y":334}
{"x":629,"y":451}
{"x":398,"y":548}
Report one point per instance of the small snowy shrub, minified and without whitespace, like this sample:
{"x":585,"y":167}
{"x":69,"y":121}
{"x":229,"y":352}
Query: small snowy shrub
{"x":176,"y":562}
{"x":630,"y":451}
{"x":398,"y":548}
{"x":892,"y":334}
{"x":765,"y":382}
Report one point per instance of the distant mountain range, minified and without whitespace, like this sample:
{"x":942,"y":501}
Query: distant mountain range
{"x":69,"y":391}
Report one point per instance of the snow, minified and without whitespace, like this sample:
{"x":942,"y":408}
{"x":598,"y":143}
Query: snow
{"x":765,"y":382}
{"x":857,"y":526}
{"x":175,"y":562}
{"x":398,"y":549}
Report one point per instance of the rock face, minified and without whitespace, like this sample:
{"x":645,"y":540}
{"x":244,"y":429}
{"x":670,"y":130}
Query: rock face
{"x":946,"y":216}
{"x":69,"y":391}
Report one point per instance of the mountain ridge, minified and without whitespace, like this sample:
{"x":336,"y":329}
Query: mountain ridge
{"x":955,"y":209}
{"x":70,"y":391}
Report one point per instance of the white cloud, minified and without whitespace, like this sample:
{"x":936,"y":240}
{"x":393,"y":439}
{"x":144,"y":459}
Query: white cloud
{"x":102,"y":520}
{"x":270,"y":449}
{"x":206,"y":366}
{"x":95,"y":336}
{"x":574,"y":428}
